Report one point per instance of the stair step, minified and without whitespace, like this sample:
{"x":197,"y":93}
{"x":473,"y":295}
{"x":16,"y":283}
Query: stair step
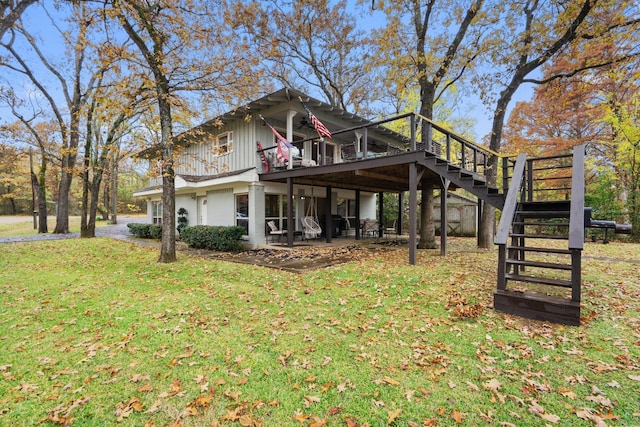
{"x":539,"y":236}
{"x":543,"y":214}
{"x":454,"y":168}
{"x":548,"y":205}
{"x":540,"y":250}
{"x":466,"y":175}
{"x":550,"y":265}
{"x":542,"y":224}
{"x":539,"y":280}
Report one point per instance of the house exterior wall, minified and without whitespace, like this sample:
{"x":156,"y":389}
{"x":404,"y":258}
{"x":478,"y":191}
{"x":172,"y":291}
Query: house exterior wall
{"x":221,"y":207}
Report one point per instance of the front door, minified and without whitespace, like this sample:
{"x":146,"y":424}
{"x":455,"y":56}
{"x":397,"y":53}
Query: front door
{"x":202,"y":210}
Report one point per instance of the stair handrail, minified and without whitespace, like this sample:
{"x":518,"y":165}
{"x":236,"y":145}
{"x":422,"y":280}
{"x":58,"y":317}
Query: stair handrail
{"x":576,"y":214}
{"x":511,"y":200}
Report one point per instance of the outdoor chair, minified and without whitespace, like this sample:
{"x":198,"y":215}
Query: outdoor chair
{"x":275,"y":231}
{"x":370,"y":227}
{"x":349,"y":152}
{"x":311,"y":228}
{"x":392,"y":228}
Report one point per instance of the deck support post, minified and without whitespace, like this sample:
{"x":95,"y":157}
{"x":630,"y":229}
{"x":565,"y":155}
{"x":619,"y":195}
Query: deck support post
{"x":357,"y":224}
{"x":444,"y":219}
{"x":328,"y":221}
{"x":413,"y":202}
{"x":290,"y":222}
{"x":400,"y":212}
{"x":381,"y":225}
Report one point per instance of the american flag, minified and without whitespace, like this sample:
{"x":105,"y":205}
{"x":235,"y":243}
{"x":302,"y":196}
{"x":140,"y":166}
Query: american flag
{"x":282,"y":145}
{"x":320,"y":127}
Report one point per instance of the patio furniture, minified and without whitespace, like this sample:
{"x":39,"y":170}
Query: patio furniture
{"x":370,"y":227}
{"x":275,"y":231}
{"x":392,"y":228}
{"x":310,"y":228}
{"x":349,"y":152}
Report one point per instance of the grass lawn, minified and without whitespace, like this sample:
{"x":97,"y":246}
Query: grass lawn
{"x":24,"y":226}
{"x":95,"y":332}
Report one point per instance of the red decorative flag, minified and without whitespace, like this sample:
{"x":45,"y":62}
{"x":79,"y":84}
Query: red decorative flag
{"x":317,"y":124}
{"x":282,"y":145}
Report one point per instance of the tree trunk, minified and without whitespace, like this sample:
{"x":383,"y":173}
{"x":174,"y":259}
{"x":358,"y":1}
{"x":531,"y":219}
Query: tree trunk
{"x":487,"y":220}
{"x":168,"y":246}
{"x":427,"y":226}
{"x":42,"y":204}
{"x":62,"y":213}
{"x":114,"y":186}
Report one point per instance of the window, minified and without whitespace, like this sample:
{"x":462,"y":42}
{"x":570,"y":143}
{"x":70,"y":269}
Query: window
{"x":156,"y":211}
{"x":276,"y":209}
{"x":347,"y":209}
{"x":242,"y":212}
{"x":223,"y":143}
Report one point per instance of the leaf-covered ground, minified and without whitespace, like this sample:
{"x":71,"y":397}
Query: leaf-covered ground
{"x":95,"y":332}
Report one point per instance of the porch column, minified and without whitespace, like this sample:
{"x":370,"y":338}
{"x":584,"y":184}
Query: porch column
{"x":290,"y":224}
{"x":381,"y":224}
{"x":328,"y":221}
{"x":256,"y":215}
{"x":400,"y":211}
{"x":365,"y":144}
{"x":479,"y":220}
{"x":357,"y":225}
{"x":290,"y":115}
{"x":413,"y":201}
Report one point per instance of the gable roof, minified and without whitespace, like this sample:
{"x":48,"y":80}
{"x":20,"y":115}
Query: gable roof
{"x":328,"y":114}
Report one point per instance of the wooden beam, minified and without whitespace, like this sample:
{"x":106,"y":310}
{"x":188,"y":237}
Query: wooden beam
{"x":375,"y":175}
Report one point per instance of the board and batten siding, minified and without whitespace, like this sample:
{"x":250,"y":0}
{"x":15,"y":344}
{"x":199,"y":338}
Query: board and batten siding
{"x":201,"y":159}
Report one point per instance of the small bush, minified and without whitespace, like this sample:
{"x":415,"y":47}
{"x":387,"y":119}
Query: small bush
{"x":216,"y":238}
{"x":145,"y":231}
{"x":155,"y":231}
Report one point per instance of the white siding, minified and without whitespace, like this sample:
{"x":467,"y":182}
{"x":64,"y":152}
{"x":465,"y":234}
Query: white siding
{"x":201,"y":159}
{"x":221,"y":207}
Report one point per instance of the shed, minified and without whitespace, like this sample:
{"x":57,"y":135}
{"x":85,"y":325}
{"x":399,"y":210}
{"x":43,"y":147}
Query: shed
{"x":462,"y":215}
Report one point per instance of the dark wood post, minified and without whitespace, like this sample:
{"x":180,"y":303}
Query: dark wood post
{"x":413,"y":201}
{"x":328,"y":221}
{"x":381,"y":225}
{"x":290,"y":221}
{"x":357,"y":224}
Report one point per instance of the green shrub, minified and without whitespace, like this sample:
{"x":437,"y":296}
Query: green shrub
{"x":217,"y":238}
{"x":145,"y":231}
{"x":155,"y":231}
{"x":182,"y":220}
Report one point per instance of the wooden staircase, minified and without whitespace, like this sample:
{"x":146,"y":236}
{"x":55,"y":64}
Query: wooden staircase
{"x":540,"y":239}
{"x":541,"y":231}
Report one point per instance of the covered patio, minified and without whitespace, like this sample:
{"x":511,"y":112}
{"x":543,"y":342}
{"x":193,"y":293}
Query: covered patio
{"x":397,"y":173}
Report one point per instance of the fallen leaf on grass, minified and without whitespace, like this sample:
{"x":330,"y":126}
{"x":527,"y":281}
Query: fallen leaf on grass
{"x":493,"y":385}
{"x":539,"y":411}
{"x":125,"y":409}
{"x":457,"y":416}
{"x":634,"y":377}
{"x":335,"y":410}
{"x":590,"y":415}
{"x":392,"y":415}
{"x":310,"y":400}
{"x":387,"y":380}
